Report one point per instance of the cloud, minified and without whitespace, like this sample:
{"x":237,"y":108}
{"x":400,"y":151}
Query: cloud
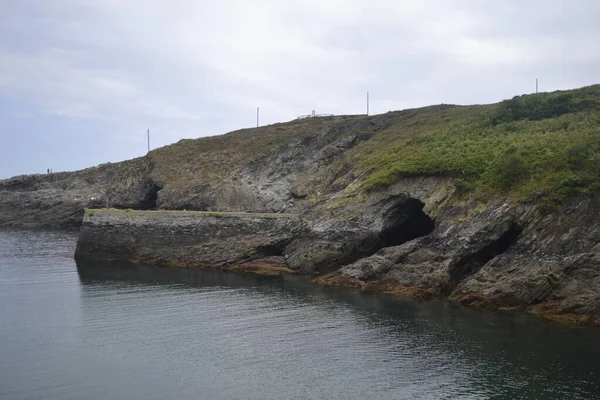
{"x":186,"y":68}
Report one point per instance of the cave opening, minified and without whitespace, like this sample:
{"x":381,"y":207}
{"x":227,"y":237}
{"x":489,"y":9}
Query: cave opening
{"x":149,"y":198}
{"x":405,"y":221}
{"x":473,"y":262}
{"x":271,"y":250}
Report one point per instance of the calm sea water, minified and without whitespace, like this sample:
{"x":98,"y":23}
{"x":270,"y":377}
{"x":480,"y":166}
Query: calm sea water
{"x":122,"y":332}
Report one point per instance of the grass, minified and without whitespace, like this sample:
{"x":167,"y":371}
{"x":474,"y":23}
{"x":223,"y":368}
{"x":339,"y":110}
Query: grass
{"x":543,"y":146}
{"x":189,"y":163}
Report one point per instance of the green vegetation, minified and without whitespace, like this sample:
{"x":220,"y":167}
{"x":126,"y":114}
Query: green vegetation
{"x":549,"y":105}
{"x":544,"y":145}
{"x":90,"y":213}
{"x":213,"y":214}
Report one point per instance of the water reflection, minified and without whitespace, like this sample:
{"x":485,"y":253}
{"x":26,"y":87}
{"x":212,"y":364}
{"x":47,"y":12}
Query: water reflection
{"x":106,"y":330}
{"x":428,"y":350}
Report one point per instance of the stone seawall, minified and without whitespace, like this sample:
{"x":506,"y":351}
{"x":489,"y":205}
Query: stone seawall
{"x":239,"y":241}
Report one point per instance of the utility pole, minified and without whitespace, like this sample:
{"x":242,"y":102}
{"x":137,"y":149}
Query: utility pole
{"x":367,"y":103}
{"x":148,"y":140}
{"x":257,"y":113}
{"x":536,"y":85}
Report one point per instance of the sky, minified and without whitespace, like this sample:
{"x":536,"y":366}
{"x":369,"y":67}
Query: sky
{"x":82,"y":81}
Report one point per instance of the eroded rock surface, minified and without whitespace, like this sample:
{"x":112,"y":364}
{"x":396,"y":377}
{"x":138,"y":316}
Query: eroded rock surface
{"x":501,"y":256}
{"x":188,"y":239}
{"x":57,"y":200}
{"x":553,"y":269}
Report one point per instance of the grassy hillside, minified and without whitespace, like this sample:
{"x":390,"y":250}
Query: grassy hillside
{"x":541,"y":145}
{"x":217,"y":157}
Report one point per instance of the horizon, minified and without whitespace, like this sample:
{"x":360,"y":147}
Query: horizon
{"x":80,"y":83}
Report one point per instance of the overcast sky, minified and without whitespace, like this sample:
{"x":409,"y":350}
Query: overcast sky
{"x":81,"y":81}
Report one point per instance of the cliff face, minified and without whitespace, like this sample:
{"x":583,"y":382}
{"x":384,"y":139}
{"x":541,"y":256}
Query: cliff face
{"x":269,"y":169}
{"x":494,"y":206}
{"x":254,"y":242}
{"x":57,"y":200}
{"x":499,"y":256}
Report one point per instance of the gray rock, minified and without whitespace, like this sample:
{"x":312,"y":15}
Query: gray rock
{"x":415,"y":237}
{"x":181,"y":238}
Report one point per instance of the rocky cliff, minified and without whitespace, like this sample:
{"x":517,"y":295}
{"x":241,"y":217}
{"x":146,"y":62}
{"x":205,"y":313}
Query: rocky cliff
{"x":58,"y":199}
{"x":494,"y":206}
{"x":499,"y":255}
{"x":241,"y":241}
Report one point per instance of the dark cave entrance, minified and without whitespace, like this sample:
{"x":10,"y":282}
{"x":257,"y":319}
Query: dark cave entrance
{"x":405,"y":221}
{"x":473,"y":262}
{"x":149,"y":198}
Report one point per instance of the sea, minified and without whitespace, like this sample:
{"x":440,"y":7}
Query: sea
{"x":122,"y":331}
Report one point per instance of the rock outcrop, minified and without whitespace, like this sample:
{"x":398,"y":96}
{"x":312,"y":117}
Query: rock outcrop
{"x":275,"y":168}
{"x":252,"y":242}
{"x":498,"y":256}
{"x":57,"y":200}
{"x":389,"y":203}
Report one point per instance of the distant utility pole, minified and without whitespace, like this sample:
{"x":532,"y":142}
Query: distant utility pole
{"x":367,"y":103}
{"x":536,"y":85}
{"x":148,"y":140}
{"x":257,"y":112}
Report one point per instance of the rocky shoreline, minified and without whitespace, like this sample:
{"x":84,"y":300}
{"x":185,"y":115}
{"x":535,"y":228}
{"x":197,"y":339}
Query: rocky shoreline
{"x":502,"y":257}
{"x":341,"y":200}
{"x":499,"y":256}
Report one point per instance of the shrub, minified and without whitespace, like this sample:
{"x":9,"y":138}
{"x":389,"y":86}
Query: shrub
{"x":508,"y":171}
{"x":548,"y":148}
{"x":546,"y":105}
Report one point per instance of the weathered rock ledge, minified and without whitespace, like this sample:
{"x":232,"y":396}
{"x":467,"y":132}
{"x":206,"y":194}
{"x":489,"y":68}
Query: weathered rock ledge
{"x":238,"y":241}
